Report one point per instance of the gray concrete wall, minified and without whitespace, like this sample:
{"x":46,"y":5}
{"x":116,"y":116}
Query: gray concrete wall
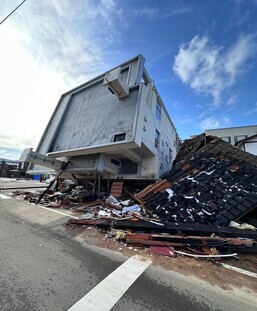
{"x":93,"y":117}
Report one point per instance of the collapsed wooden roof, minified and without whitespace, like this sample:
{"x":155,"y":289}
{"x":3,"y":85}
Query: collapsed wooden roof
{"x":211,"y":182}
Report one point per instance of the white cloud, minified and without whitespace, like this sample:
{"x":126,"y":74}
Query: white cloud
{"x":214,"y":123}
{"x":152,"y":13}
{"x":210,"y":69}
{"x":237,"y":56}
{"x":10,"y":154}
{"x":147,"y":12}
{"x":47,"y":48}
{"x":177,"y":11}
{"x":174,"y":104}
{"x":232,"y":100}
{"x":251,"y":111}
{"x":29,"y":92}
{"x":186,"y":120}
{"x":2,"y":151}
{"x":64,"y":36}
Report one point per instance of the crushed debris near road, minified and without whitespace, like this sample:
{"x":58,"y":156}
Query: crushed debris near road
{"x":204,"y":207}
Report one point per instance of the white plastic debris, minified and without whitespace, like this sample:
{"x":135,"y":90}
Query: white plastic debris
{"x":131,"y":208}
{"x":103,"y":213}
{"x":243,"y":226}
{"x":87,"y":216}
{"x":170,"y":192}
{"x":125,"y":203}
{"x":111,"y":200}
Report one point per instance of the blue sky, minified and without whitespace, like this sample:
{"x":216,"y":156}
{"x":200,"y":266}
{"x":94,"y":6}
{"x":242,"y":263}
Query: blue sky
{"x":201,"y":55}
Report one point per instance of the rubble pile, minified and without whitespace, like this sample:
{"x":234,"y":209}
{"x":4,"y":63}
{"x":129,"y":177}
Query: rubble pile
{"x":215,"y":185}
{"x":66,"y":198}
{"x":198,"y":207}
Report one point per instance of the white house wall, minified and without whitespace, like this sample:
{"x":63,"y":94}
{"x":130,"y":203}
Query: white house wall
{"x":147,"y":125}
{"x":88,"y":117}
{"x":233,"y":132}
{"x":93,"y":117}
{"x":251,"y":147}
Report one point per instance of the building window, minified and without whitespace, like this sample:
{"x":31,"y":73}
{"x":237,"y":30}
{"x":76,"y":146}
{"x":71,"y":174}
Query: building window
{"x":124,"y":73}
{"x":170,"y":155}
{"x":119,"y":137}
{"x":157,"y":139}
{"x":226,"y":138}
{"x":115,"y":162}
{"x":239,"y":137}
{"x":167,"y":159}
{"x":158,"y":111}
{"x":145,"y":79}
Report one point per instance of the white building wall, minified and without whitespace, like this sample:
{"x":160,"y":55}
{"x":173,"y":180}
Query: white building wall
{"x":88,"y":117}
{"x":234,"y":133}
{"x":149,"y":124}
{"x":251,"y":147}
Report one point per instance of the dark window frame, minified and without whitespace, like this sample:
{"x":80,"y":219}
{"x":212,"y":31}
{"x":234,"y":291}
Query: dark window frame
{"x":236,"y":137}
{"x":119,"y":137}
{"x":157,"y":138}
{"x":224,"y":138}
{"x":158,"y":111}
{"x":170,"y":155}
{"x":115,"y":162}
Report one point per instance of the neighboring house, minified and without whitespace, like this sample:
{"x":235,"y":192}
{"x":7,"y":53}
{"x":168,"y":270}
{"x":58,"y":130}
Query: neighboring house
{"x":8,"y":169}
{"x":248,"y":144}
{"x":114,"y":126}
{"x":234,"y":134}
{"x":23,"y":167}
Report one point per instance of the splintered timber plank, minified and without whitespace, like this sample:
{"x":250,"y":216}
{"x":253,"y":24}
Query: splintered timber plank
{"x":99,"y":222}
{"x":145,"y":191}
{"x":189,"y":229}
{"x":177,"y":240}
{"x":165,"y":186}
{"x":153,"y":188}
{"x":152,"y":242}
{"x":133,"y":196}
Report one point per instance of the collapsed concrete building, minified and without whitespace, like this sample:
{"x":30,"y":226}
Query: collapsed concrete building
{"x":113,"y":126}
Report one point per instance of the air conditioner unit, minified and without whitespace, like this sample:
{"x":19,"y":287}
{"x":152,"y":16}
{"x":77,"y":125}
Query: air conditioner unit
{"x":115,"y":83}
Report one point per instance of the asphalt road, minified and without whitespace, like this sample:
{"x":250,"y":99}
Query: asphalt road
{"x":44,"y":267}
{"x":13,"y":183}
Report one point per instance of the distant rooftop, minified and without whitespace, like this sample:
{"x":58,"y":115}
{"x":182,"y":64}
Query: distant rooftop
{"x":227,"y":128}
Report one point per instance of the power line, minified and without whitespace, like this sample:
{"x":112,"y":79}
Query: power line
{"x":12,"y":12}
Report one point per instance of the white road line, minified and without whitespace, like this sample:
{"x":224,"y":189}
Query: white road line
{"x":108,"y":292}
{"x":246,"y":272}
{"x":49,"y":209}
{"x":4,"y":197}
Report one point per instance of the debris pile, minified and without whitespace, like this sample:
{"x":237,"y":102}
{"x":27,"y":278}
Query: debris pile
{"x":199,"y":206}
{"x":214,"y":184}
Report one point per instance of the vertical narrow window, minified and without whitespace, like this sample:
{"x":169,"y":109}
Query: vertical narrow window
{"x":170,"y":155}
{"x":157,"y":139}
{"x":158,"y":111}
{"x":124,"y":73}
